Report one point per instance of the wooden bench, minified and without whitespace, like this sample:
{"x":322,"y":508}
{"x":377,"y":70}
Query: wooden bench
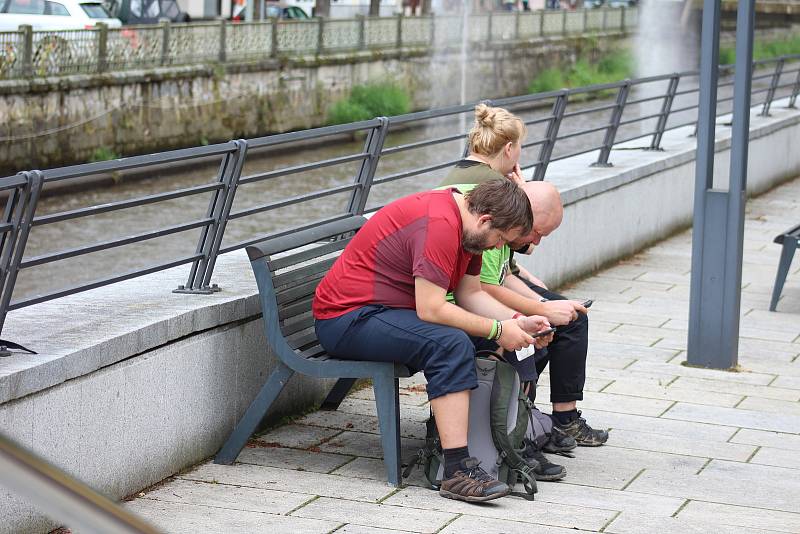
{"x":288,"y":270}
{"x":790,"y":240}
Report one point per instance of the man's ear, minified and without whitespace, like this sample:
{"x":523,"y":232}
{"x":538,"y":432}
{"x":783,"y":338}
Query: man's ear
{"x":484,"y":220}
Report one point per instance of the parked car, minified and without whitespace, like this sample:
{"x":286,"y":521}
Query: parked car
{"x":54,"y":15}
{"x":278,"y":10}
{"x":146,"y":11}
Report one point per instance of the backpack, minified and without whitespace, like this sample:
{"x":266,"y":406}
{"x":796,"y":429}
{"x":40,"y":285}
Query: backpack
{"x":499,"y":421}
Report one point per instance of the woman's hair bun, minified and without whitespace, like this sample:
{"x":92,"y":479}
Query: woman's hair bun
{"x":484,"y":115}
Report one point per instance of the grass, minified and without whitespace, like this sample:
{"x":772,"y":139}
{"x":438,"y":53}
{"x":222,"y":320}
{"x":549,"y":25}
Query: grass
{"x":367,"y":101}
{"x":763,"y":50}
{"x":611,"y":67}
{"x":103,"y":153}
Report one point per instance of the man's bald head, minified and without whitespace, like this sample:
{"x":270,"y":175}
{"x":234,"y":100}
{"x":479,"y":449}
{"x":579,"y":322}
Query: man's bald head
{"x":547,"y":208}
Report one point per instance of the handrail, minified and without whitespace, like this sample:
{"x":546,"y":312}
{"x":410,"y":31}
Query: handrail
{"x":656,"y":106}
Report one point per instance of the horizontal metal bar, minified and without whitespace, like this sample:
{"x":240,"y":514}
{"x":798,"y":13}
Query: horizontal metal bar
{"x":547,"y":118}
{"x":582,"y":132}
{"x":637,"y":136}
{"x":758,"y":91}
{"x":640,"y":119}
{"x":596,"y":88}
{"x":687,"y":91}
{"x":315,"y":133}
{"x":133,"y":162}
{"x":686,"y":108}
{"x":420,"y":144}
{"x":5,"y":227}
{"x":15,"y":305}
{"x":641,"y":100}
{"x":577,"y":153}
{"x":534,"y":143}
{"x":431,"y":114}
{"x":526,"y":99}
{"x":292,"y":200}
{"x":10,"y":182}
{"x":105,"y":245}
{"x":112,"y":206}
{"x":264,"y":237}
{"x":301,"y":168}
{"x":586,"y":111}
{"x":414,"y":172}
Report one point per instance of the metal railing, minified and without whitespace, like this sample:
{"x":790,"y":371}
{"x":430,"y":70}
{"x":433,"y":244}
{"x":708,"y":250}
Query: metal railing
{"x":27,"y":53}
{"x":359,"y":178}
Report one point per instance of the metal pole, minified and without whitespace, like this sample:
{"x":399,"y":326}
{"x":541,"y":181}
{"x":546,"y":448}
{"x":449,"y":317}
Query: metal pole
{"x":27,"y":49}
{"x":373,"y":145}
{"x":273,"y":26}
{"x":718,"y":234}
{"x":559,"y":106}
{"x":613,"y":126}
{"x":666,"y":107}
{"x":795,"y":90}
{"x":222,"y":39}
{"x":773,"y":86}
{"x":164,"y":42}
{"x":102,"y":47}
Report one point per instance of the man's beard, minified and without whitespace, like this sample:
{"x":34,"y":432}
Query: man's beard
{"x":475,"y":243}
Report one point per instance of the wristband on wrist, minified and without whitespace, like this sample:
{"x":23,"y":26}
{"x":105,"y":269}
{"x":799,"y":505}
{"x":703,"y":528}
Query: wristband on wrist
{"x":517,"y":315}
{"x":493,"y":332}
{"x":499,"y":331}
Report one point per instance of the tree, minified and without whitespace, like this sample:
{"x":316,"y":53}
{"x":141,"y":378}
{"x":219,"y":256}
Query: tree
{"x":323,"y":8}
{"x":374,"y":8}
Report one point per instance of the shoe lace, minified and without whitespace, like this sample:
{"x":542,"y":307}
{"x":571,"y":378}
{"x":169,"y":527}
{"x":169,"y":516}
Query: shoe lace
{"x":478,"y":473}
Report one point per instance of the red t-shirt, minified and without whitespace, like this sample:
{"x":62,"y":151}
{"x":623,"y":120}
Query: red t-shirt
{"x":418,"y":235}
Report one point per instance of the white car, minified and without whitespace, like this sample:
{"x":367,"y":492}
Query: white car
{"x":54,"y":14}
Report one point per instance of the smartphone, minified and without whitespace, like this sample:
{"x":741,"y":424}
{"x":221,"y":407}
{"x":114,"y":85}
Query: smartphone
{"x":587,"y":303}
{"x":543,"y":332}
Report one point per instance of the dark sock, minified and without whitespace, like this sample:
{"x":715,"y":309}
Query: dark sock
{"x":452,"y":460}
{"x":565,"y":418}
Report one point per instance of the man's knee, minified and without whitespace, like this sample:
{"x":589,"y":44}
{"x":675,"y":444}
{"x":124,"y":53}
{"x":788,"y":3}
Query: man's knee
{"x":450,"y":366}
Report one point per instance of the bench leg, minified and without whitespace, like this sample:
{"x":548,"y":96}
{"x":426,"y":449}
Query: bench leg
{"x":254,"y":415}
{"x":789,"y":246}
{"x":337,"y":394}
{"x":386,"y":388}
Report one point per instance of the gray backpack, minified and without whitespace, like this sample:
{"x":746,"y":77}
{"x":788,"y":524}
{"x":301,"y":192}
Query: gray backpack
{"x":500,"y":419}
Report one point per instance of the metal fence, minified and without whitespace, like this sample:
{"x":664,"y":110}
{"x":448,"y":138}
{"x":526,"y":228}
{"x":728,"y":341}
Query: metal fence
{"x":633,"y":109}
{"x":26,"y":53}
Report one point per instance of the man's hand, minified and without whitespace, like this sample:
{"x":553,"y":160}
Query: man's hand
{"x":513,"y":336}
{"x":533,"y":324}
{"x":561,"y":312}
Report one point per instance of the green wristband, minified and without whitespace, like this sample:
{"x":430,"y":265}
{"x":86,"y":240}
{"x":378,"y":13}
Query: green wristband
{"x":493,"y":331}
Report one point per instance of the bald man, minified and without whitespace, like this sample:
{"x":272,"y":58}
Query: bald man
{"x":526,"y":294}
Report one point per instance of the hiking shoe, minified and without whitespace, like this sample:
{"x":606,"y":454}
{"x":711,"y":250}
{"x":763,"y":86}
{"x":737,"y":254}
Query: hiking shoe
{"x":545,"y":470}
{"x":472,"y":484}
{"x":559,"y":442}
{"x":584,"y":435}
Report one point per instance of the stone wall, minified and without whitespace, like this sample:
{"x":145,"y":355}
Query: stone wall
{"x":50,"y":122}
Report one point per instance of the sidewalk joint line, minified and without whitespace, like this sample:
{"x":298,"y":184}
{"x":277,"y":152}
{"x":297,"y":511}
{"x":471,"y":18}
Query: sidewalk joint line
{"x":448,"y":523}
{"x":703,"y":466}
{"x":681,"y":507}
{"x":337,"y":528}
{"x":302,"y":505}
{"x":673,"y":379}
{"x":734,"y":435}
{"x":350,"y":461}
{"x":740,"y":401}
{"x":631,"y":481}
{"x":632,"y":362}
{"x":773,"y":380}
{"x":667,"y":409}
{"x":608,"y":523}
{"x":395,"y":491}
{"x":606,"y":386}
{"x":758,"y":448}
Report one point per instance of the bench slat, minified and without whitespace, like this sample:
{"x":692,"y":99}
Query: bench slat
{"x":297,"y":326}
{"x":293,"y":293}
{"x":305,"y":255}
{"x":298,"y":275}
{"x":269,"y":247}
{"x":297,"y":308}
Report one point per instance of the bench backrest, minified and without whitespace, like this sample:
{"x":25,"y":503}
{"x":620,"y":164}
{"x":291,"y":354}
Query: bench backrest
{"x":288,"y":270}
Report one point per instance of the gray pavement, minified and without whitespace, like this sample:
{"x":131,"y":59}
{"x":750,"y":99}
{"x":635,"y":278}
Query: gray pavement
{"x":691,"y":450}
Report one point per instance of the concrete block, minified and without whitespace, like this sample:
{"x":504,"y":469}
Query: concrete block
{"x":255,"y":476}
{"x":658,"y":425}
{"x":383,"y":515}
{"x":770,"y":405}
{"x":633,"y":523}
{"x":297,"y":436}
{"x":361,"y":423}
{"x":737,"y":388}
{"x":521,"y":510}
{"x":601,"y":349}
{"x":471,"y":523}
{"x":369,"y":445}
{"x":626,"y":338}
{"x":361,"y":529}
{"x":188,"y":519}
{"x":741,"y":516}
{"x":634,"y":405}
{"x":767,"y":439}
{"x":632,"y":439}
{"x":658,"y":389}
{"x":603,"y":314}
{"x":711,"y":374}
{"x":317,"y":462}
{"x":776,"y":457}
{"x":733,"y":417}
{"x":565,"y":493}
{"x":790,"y":382}
{"x":374,"y":469}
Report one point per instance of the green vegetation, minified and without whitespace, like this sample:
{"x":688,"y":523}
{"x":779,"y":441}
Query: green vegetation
{"x":614,"y":66}
{"x":763,"y":50}
{"x":103,"y":153}
{"x":368,"y":101}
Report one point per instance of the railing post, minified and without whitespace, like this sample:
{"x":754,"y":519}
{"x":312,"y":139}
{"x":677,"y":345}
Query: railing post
{"x":559,"y":106}
{"x":773,"y":86}
{"x":27,"y":49}
{"x":564,"y":22}
{"x":164,"y":42}
{"x":399,"y":44}
{"x":320,"y":34}
{"x":666,"y":107}
{"x":433,"y":30}
{"x":102,"y":47}
{"x":585,"y":20}
{"x":516,"y":25}
{"x":622,"y":20}
{"x":373,"y":145}
{"x":219,"y":208}
{"x":273,"y":24}
{"x":362,"y":36}
{"x":541,"y":22}
{"x":489,"y":29}
{"x":605,"y":20}
{"x":222,"y":39}
{"x":20,"y":210}
{"x":611,"y":131}
{"x":795,"y":90}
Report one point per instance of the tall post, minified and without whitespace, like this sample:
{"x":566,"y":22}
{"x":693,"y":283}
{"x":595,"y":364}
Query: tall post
{"x":773,"y":86}
{"x":373,"y":145}
{"x":273,"y":26}
{"x":563,"y":22}
{"x":795,"y":90}
{"x":320,"y":34}
{"x":613,"y":126}
{"x":222,"y":39}
{"x":361,"y":31}
{"x":433,"y":30}
{"x":489,"y":28}
{"x":666,"y":107}
{"x":399,"y":31}
{"x":164,"y":42}
{"x":559,"y":106}
{"x":27,"y":49}
{"x":715,"y":298}
{"x":622,"y":20}
{"x":102,"y":47}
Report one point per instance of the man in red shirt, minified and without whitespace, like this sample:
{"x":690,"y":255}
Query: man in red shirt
{"x":385,"y":300}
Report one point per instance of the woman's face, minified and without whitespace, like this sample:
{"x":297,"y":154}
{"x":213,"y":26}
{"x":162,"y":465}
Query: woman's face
{"x":510,"y":157}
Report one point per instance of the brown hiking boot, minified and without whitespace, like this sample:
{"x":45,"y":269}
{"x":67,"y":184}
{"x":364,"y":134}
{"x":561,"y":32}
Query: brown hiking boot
{"x":472,"y":484}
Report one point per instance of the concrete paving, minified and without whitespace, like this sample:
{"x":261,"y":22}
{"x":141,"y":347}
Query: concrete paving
{"x":691,"y":450}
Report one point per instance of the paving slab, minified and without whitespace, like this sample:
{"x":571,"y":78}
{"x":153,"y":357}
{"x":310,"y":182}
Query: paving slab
{"x":767,"y":439}
{"x":762,"y":379}
{"x":659,"y":389}
{"x":658,"y":425}
{"x":704,"y":386}
{"x":369,"y":445}
{"x":647,"y":441}
{"x":777,"y":457}
{"x":741,"y":516}
{"x":318,"y":462}
{"x":361,"y":529}
{"x":734,"y":417}
{"x":536,"y":512}
{"x":361,"y":423}
{"x":297,"y":436}
{"x":381,"y":515}
{"x":469,"y":523}
{"x":373,"y":469}
{"x":608,"y":499}
{"x":770,"y":405}
{"x":630,"y":523}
